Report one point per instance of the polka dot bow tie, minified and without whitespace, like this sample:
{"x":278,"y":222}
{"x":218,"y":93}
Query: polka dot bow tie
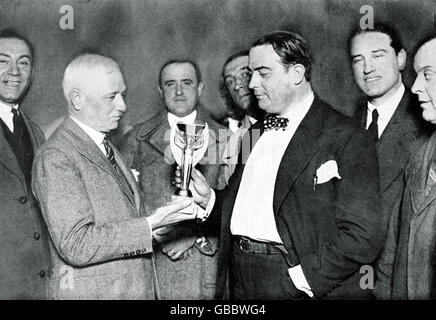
{"x":275,"y":122}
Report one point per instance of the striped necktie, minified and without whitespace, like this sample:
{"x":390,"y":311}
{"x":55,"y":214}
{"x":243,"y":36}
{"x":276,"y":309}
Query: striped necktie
{"x":109,"y":153}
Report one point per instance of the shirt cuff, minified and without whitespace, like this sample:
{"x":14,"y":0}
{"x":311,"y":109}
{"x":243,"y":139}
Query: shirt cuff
{"x":203,"y":214}
{"x":299,"y":280}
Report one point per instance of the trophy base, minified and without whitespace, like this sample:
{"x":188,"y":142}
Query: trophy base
{"x":190,"y":209}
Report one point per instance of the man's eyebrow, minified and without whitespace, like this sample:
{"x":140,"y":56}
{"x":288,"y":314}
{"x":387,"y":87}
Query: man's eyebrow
{"x":428,"y":67}
{"x":379,"y":50}
{"x":259,"y":68}
{"x":168,"y":81}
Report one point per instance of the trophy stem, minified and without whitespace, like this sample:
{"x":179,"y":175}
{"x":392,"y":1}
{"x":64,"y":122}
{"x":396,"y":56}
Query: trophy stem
{"x":186,"y":173}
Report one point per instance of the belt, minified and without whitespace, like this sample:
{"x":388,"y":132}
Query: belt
{"x":253,"y":246}
{"x":259,"y":247}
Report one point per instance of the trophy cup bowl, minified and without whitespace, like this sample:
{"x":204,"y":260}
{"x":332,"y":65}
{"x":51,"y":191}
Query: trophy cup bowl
{"x":190,"y":141}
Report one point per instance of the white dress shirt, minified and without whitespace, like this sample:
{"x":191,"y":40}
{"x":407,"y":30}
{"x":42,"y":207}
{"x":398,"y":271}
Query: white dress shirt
{"x":6,"y":115}
{"x":231,"y":150}
{"x":189,"y":119}
{"x":385,"y":110}
{"x":95,"y":135}
{"x":253,"y":214}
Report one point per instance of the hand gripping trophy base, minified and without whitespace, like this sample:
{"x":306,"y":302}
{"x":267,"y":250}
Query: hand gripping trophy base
{"x":188,"y":138}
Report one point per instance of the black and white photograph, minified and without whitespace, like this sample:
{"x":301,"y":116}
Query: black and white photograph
{"x":218,"y":154}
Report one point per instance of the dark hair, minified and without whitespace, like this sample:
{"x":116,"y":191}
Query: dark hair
{"x":11,"y":33}
{"x":391,"y":32}
{"x":232,"y":110}
{"x":291,"y":48}
{"x":179,"y":61}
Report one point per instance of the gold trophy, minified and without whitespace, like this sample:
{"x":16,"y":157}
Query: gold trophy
{"x":188,"y":145}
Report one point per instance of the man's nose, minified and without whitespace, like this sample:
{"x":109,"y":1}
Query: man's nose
{"x":417,"y":85}
{"x":13,"y":68}
{"x":179,"y":89}
{"x":368,"y":66}
{"x":122,"y":106}
{"x":240,"y":83}
{"x":253,"y":81}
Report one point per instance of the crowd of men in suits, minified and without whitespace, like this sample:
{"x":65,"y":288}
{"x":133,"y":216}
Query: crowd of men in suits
{"x":290,"y":205}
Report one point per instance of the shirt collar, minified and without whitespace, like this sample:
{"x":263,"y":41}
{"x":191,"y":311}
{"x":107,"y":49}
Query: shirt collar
{"x":252,"y":120}
{"x":387,"y":109}
{"x":95,"y":135}
{"x":190,"y":118}
{"x":5,"y":109}
{"x":297,"y":113}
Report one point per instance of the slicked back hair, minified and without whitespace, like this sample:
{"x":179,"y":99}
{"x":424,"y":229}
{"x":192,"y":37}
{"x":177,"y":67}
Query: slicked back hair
{"x":291,"y":48}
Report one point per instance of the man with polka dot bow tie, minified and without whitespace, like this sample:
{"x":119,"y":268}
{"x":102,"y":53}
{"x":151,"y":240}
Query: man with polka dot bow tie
{"x":301,"y":213}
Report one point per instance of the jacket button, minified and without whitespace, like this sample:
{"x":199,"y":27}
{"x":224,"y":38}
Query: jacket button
{"x":36,"y":236}
{"x":42,"y":273}
{"x":23,"y":200}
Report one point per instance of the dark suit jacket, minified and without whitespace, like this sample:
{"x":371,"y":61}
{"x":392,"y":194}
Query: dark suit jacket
{"x":146,"y":149}
{"x":398,"y":141}
{"x":24,"y":263}
{"x":334,"y":229}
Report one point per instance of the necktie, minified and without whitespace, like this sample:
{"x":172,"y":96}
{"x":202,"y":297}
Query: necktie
{"x":373,"y":127}
{"x":275,"y":122}
{"x":16,"y":120}
{"x":109,"y":153}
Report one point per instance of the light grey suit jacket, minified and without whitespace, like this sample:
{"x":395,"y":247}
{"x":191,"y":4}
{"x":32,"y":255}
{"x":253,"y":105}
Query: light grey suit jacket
{"x":100,"y":246}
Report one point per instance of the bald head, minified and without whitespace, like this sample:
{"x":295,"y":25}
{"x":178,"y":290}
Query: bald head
{"x":94,"y":88}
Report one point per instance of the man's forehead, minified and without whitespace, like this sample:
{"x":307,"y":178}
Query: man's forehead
{"x":426,"y":55}
{"x":183,"y":70}
{"x":373,"y":40}
{"x":14,"y":46}
{"x":262,"y":56}
{"x":106,"y":78}
{"x":235,"y":65}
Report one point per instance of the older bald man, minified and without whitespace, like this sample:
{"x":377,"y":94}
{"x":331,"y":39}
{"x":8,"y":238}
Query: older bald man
{"x":100,"y":246}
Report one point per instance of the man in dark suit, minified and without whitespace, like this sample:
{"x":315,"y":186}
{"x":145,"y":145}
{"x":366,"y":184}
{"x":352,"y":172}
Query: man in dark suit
{"x":186,"y":260}
{"x":24,"y":264}
{"x":301,"y":214}
{"x":390,"y":111}
{"x":408,"y":259}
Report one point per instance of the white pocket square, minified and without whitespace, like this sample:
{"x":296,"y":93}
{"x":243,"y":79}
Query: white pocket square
{"x":136,"y":174}
{"x":326,"y":172}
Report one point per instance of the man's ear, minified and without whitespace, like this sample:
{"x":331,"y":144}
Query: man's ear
{"x":402,"y":57}
{"x":298,"y":73}
{"x":159,"y":89}
{"x":76,"y":99}
{"x":200,"y":89}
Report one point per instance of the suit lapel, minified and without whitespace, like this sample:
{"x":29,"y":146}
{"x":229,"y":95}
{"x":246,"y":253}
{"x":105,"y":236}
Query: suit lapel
{"x":9,"y":160}
{"x":161,"y":137}
{"x":90,"y":151}
{"x":7,"y":156}
{"x":392,"y":147}
{"x":420,"y":201}
{"x":299,"y":152}
{"x":128,"y":175}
